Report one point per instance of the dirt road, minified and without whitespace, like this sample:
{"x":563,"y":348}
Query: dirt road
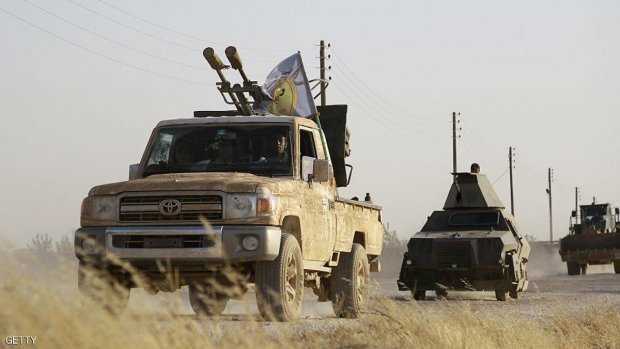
{"x":549,"y":293}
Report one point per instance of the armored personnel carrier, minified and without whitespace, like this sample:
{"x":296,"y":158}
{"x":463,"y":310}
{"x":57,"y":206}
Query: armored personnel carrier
{"x":472,"y":244}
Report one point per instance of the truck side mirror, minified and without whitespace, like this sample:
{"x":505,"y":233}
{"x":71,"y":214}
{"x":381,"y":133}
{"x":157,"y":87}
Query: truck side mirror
{"x":320,"y":170}
{"x":133,"y":171}
{"x":573,"y":214}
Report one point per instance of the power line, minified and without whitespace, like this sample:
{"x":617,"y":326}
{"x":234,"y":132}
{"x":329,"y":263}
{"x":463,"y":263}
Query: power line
{"x":477,"y":153}
{"x":371,"y":103}
{"x":387,"y":103}
{"x":98,"y":53}
{"x":478,"y":149}
{"x":500,"y":177}
{"x":114,"y":41}
{"x":193,"y":49}
{"x":479,"y":142}
{"x":202,"y":40}
{"x":379,"y":111}
{"x":385,"y":125}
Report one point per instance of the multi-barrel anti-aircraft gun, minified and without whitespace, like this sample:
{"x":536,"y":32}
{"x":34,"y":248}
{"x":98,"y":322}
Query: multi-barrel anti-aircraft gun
{"x":236,"y":93}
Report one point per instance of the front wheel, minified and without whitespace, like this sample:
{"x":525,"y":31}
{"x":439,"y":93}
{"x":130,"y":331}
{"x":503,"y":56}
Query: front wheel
{"x":501,"y":295}
{"x":205,"y":300}
{"x":280,"y":283}
{"x":419,"y":295}
{"x":350,"y":283}
{"x":514,"y":294}
{"x":104,"y":288}
{"x":441,"y":292}
{"x":573,"y":268}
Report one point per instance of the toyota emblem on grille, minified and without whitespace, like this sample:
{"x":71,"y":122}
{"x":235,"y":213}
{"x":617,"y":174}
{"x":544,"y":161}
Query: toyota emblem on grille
{"x":170,"y":207}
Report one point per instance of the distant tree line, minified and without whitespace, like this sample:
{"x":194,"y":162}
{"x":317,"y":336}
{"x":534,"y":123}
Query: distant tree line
{"x":390,"y":238}
{"x":43,"y":243}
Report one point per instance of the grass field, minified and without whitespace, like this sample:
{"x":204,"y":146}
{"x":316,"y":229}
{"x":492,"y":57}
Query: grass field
{"x":38,"y":297}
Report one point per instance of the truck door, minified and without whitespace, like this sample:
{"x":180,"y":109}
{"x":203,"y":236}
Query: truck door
{"x":318,"y":241}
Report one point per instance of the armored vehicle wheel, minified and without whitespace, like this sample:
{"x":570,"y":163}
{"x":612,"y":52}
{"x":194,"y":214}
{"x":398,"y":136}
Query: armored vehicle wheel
{"x":441,"y":292}
{"x":419,"y":295}
{"x":350,"y":283}
{"x":205,"y":301}
{"x":280,"y":283}
{"x":501,"y":295}
{"x":103,"y":288}
{"x":513,"y":293}
{"x":583,"y":268}
{"x":617,"y":266}
{"x":573,"y":268}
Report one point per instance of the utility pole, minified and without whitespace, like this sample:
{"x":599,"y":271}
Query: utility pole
{"x":512,"y":199}
{"x":576,"y":204}
{"x":323,"y":81}
{"x":550,"y":176}
{"x":453,"y":146}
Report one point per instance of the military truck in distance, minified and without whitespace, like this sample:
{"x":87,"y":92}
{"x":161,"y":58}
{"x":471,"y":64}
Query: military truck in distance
{"x":473,"y":244}
{"x":595,"y":240}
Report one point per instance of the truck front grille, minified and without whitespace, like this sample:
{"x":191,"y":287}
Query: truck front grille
{"x":192,"y":208}
{"x":455,"y":254}
{"x":162,"y":241}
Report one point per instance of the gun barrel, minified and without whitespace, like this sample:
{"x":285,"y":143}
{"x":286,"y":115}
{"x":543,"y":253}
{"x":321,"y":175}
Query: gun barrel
{"x":233,"y":57}
{"x":214,"y":61}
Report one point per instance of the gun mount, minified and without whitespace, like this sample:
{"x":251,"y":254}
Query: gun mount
{"x":236,"y":93}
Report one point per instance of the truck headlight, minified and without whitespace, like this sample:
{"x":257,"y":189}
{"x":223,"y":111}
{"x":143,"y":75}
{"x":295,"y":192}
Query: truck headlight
{"x":99,"y":208}
{"x":88,"y":245}
{"x":240,"y":205}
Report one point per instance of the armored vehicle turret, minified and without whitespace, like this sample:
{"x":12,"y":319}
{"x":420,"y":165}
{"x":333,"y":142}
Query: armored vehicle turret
{"x":472,"y":244}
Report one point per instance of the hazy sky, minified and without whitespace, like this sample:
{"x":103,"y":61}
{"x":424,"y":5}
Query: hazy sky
{"x":83,"y":84}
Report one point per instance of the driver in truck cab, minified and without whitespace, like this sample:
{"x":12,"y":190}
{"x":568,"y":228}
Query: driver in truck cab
{"x":279,"y":148}
{"x":226,"y":145}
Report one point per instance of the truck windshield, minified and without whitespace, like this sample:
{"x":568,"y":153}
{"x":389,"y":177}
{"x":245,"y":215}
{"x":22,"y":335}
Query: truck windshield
{"x":474,"y":218}
{"x":258,"y":149}
{"x":594,"y":215}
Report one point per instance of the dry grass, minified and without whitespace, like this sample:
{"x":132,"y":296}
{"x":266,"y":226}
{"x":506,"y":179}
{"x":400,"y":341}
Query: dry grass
{"x":38,"y":298}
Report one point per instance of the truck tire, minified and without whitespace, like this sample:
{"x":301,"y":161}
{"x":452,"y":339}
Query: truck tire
{"x":441,"y":292}
{"x":583,"y":268}
{"x":617,"y":266}
{"x":419,"y":295}
{"x":350,"y":283}
{"x":205,"y":301}
{"x":102,"y":287}
{"x":573,"y":268}
{"x":514,"y":294}
{"x":501,"y":295}
{"x":280,"y":283}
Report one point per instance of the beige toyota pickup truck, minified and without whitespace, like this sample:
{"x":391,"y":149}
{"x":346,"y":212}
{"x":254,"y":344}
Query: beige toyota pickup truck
{"x":254,"y":197}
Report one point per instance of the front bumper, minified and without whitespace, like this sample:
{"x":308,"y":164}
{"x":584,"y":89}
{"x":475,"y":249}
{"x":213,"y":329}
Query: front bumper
{"x":474,"y":278}
{"x":165,"y":243}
